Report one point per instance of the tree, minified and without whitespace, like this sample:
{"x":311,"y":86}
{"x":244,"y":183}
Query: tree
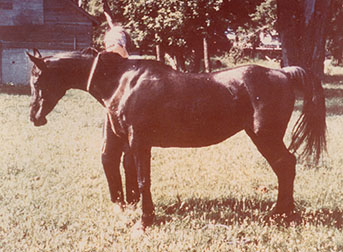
{"x":335,"y":32}
{"x":302,"y":26}
{"x":183,"y":27}
{"x":177,"y":27}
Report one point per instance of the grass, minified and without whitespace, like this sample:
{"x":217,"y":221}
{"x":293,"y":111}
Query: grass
{"x":54,"y":195}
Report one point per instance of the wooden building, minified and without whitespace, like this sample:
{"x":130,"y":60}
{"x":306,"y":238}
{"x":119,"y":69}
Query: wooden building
{"x":49,"y":25}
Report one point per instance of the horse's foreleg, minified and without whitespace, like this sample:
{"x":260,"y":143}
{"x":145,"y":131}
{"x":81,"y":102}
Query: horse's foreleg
{"x":283,"y":164}
{"x":141,"y":154}
{"x":131,"y":185}
{"x":111,"y":155}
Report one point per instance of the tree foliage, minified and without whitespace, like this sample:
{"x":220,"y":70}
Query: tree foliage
{"x":178,"y":26}
{"x":175,"y":24}
{"x":261,"y":20}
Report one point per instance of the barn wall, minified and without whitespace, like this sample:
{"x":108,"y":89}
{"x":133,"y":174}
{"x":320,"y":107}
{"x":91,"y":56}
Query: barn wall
{"x":68,"y":36}
{"x":16,"y":66}
{"x":62,"y":12}
{"x":48,"y":25}
{"x":19,"y":12}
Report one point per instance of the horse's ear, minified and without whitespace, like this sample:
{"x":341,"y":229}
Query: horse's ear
{"x":38,"y":61}
{"x":36,"y":53}
{"x":109,"y":19}
{"x":107,"y":12}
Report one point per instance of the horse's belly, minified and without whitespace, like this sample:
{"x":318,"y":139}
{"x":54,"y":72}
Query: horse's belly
{"x":193,"y":132}
{"x":200,"y":139}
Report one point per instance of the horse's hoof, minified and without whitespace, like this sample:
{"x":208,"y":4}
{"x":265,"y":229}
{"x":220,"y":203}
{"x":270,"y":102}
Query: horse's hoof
{"x":286,"y":217}
{"x":133,"y":202}
{"x":131,"y":206}
{"x":132,"y":197}
{"x":284,"y":210}
{"x":147,"y":220}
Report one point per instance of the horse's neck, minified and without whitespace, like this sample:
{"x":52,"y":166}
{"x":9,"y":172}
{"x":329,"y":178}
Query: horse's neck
{"x":105,"y":76}
{"x":103,"y":89}
{"x":78,"y":77}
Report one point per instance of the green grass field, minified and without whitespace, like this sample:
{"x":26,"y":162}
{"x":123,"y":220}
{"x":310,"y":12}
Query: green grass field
{"x":54,"y":196}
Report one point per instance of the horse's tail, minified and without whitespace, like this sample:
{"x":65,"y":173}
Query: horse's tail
{"x":311,"y":125}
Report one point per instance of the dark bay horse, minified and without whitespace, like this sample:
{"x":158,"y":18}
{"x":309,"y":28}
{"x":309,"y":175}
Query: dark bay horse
{"x":149,"y":104}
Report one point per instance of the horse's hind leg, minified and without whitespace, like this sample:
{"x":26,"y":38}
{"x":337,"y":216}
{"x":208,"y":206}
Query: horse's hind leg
{"x":111,"y":155}
{"x":283,"y":163}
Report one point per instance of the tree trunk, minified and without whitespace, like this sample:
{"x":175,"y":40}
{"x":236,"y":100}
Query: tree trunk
{"x":289,"y":22}
{"x":196,"y":62}
{"x":302,"y":29}
{"x":316,"y":20}
{"x":206,"y":56}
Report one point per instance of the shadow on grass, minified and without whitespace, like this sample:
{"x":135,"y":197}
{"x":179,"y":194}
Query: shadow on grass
{"x":333,"y":79}
{"x":332,"y":109}
{"x":334,"y":104}
{"x":333,"y":97}
{"x":230,"y":211}
{"x":333,"y":93}
{"x":15,"y":89}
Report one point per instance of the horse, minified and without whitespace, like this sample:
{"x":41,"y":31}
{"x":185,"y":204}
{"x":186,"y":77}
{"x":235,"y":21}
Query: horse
{"x":151,"y":105}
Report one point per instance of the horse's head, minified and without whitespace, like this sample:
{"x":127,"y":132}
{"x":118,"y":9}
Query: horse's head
{"x":46,"y":87}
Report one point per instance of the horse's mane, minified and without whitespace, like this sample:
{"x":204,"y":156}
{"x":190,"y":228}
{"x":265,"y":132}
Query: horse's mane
{"x":71,"y":58}
{"x":83,"y":53}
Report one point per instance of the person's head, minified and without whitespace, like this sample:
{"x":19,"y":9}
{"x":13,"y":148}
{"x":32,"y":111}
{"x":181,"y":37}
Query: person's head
{"x":116,"y":38}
